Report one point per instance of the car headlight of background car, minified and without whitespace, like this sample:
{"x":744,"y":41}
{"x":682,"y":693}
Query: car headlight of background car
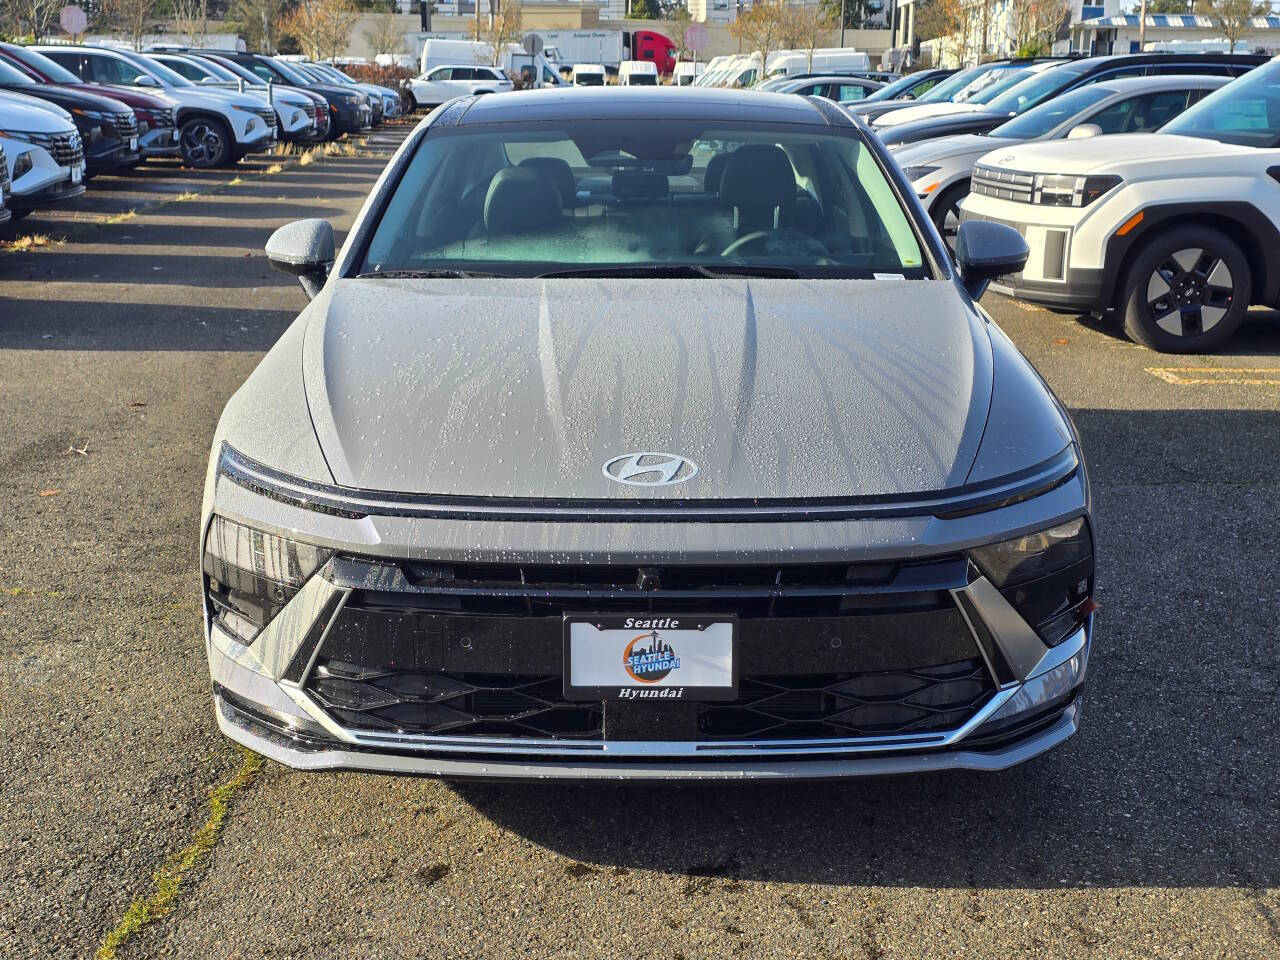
{"x":1046,"y":576}
{"x":23,"y":164}
{"x":1057,"y":190}
{"x":918,"y":172}
{"x":250,"y":575}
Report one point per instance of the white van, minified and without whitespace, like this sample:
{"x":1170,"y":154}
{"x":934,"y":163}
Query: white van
{"x":588,"y":75}
{"x":638,"y":73}
{"x":713,"y":69}
{"x":837,"y":60}
{"x":686,"y":73}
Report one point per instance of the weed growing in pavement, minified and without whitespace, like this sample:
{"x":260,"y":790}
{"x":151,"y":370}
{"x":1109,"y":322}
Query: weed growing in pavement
{"x":168,"y":878}
{"x":235,"y":182}
{"x":274,"y":168}
{"x":30,"y":242}
{"x":121,"y":217}
{"x":308,"y":158}
{"x":185,"y":196}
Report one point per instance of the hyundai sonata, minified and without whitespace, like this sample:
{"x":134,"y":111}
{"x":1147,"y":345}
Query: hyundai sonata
{"x":649,"y":434}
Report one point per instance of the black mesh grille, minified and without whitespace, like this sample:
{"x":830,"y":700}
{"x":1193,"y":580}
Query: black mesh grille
{"x":126,"y":125}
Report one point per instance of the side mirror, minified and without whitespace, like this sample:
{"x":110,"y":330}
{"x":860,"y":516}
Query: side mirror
{"x":986,"y":250}
{"x":142,"y":80}
{"x":1084,"y":131}
{"x":210,"y":80}
{"x":303,"y":249}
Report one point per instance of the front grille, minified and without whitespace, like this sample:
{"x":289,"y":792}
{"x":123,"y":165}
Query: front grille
{"x":268,"y":115}
{"x":1002,"y":184}
{"x":824,"y":650}
{"x":126,"y":126}
{"x":4,"y":177}
{"x":65,"y":148}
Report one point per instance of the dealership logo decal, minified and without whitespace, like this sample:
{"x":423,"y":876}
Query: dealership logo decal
{"x":648,"y":658}
{"x":649,"y":469}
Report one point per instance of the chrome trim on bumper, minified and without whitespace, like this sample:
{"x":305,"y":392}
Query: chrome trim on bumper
{"x":770,"y":768}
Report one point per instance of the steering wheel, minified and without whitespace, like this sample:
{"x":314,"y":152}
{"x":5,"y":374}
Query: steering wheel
{"x":807,"y":244}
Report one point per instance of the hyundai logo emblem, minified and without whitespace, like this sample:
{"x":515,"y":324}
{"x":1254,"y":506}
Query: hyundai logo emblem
{"x":649,"y":469}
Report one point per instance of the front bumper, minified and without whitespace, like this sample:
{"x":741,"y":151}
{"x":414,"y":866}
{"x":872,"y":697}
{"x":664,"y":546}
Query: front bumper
{"x":47,"y":196}
{"x":377,"y":664}
{"x":160,"y":142}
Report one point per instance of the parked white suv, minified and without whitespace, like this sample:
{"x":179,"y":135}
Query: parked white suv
{"x":440,"y":84}
{"x":939,"y":170}
{"x":43,"y":153}
{"x":1178,"y":231}
{"x":215,"y":126}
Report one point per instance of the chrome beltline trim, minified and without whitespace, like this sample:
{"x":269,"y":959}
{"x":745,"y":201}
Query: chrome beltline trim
{"x":355,"y":504}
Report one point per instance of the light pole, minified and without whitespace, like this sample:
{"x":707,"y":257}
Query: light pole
{"x":1142,"y":27}
{"x":842,"y":22}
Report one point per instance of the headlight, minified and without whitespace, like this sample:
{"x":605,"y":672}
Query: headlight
{"x":1047,"y":576}
{"x":1054,"y":190}
{"x":1038,"y":691}
{"x":918,"y":172}
{"x":250,"y":575}
{"x":23,"y":164}
{"x":294,"y":117}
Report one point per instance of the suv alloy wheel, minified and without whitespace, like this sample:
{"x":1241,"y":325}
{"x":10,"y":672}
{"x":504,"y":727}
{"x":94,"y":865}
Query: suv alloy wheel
{"x":1187,"y":291}
{"x":205,"y":142}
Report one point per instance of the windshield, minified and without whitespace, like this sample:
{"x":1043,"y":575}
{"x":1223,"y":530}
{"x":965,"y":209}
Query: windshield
{"x":56,"y":72}
{"x":157,"y":70}
{"x":1036,"y":89}
{"x":1038,"y":121}
{"x":291,"y":74}
{"x":194,"y":72}
{"x":1244,"y":112}
{"x":995,"y":85}
{"x":216,"y":69}
{"x":310,"y":72}
{"x":589,"y":79}
{"x":642,"y":80}
{"x":239,"y":72}
{"x":902,"y":85}
{"x":11,"y":75}
{"x":645,"y":197}
{"x":949,"y":87}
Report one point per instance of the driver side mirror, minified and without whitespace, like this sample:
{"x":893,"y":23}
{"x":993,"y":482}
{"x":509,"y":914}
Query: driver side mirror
{"x":303,"y":249}
{"x":986,"y":250}
{"x":1084,"y":130}
{"x":142,"y":80}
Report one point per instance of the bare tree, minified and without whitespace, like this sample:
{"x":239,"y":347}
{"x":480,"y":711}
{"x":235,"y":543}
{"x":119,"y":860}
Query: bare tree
{"x":1232,"y":16}
{"x":949,"y":22}
{"x":760,"y":28}
{"x":35,"y":18}
{"x":506,"y":25}
{"x":257,"y":22}
{"x":806,"y":26}
{"x":1036,"y":23}
{"x":679,"y":22}
{"x":191,"y":21}
{"x":385,"y":36}
{"x":322,"y":27}
{"x":129,"y":18}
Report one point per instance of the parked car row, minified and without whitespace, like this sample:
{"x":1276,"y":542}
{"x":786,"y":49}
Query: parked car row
{"x":1171,"y":220}
{"x":68,"y":113}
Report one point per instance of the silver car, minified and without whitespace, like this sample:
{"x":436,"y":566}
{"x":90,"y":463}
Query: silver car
{"x":639,"y":435}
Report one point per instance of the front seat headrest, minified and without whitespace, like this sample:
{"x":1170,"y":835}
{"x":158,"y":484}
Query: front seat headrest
{"x":559,"y":172}
{"x":760,"y":185}
{"x":521,"y":199}
{"x":715,"y":170}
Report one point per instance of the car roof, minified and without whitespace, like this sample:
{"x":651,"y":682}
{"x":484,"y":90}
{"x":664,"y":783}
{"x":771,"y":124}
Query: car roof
{"x":487,"y":66}
{"x":837,"y":78}
{"x":676,"y":103}
{"x":1168,"y":81}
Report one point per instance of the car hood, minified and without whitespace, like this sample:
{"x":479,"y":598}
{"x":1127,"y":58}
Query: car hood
{"x":20,"y":112}
{"x":924,"y":111}
{"x":66,"y":98}
{"x":1099,"y":153}
{"x":128,"y":95}
{"x":525,"y":388}
{"x":945,"y":148}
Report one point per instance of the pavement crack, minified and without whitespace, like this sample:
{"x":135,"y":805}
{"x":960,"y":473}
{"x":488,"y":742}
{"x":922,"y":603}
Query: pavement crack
{"x":166,"y":881}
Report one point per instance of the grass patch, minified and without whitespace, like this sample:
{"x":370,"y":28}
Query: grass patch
{"x":235,"y":181}
{"x":274,"y":168}
{"x":308,"y":158}
{"x":30,"y":242}
{"x":168,"y":879}
{"x":185,"y":196}
{"x":121,"y":217}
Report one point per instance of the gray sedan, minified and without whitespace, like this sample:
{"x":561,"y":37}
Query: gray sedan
{"x":631,"y":435}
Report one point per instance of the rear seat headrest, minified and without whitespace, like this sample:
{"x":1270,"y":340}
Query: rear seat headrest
{"x":521,"y":199}
{"x":559,"y":172}
{"x":640,"y":185}
{"x":715,"y":170}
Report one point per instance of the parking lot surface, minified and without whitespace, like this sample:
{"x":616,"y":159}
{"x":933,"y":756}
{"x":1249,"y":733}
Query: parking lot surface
{"x":1154,"y":833}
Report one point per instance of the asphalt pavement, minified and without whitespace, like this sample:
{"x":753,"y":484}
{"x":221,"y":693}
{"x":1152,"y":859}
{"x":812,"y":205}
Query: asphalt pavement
{"x":1154,"y":833}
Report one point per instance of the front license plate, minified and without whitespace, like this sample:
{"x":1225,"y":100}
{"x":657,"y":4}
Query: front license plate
{"x":650,"y":657}
{"x":76,"y":174}
{"x":133,"y":144}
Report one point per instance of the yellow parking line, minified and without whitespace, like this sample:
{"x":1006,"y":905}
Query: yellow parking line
{"x":1202,"y":376}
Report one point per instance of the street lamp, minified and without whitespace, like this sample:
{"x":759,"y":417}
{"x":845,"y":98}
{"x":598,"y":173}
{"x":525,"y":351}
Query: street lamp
{"x":842,"y":22}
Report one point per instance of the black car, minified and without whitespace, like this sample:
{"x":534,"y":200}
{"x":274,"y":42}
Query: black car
{"x":107,"y":127}
{"x":833,"y":87}
{"x":1056,"y":81}
{"x":349,"y":109}
{"x":906,"y":88}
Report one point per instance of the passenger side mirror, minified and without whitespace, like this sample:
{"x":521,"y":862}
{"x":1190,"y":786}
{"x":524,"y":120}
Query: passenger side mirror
{"x":1083,"y":131}
{"x":986,"y":250}
{"x":210,"y":80}
{"x":303,"y":249}
{"x":142,"y":80}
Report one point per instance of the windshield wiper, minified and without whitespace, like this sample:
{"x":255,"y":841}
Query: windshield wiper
{"x":426,"y":275}
{"x":676,"y":271}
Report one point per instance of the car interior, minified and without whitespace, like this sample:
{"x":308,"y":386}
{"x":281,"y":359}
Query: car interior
{"x":591,"y":199}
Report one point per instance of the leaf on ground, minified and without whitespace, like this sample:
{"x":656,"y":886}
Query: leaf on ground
{"x":49,"y":493}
